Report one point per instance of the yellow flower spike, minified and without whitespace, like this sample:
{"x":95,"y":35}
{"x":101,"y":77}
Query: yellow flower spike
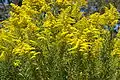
{"x":76,"y":46}
{"x":2,"y":56}
{"x":59,"y":1}
{"x":17,"y":63}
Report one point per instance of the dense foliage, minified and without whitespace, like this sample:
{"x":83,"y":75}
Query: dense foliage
{"x":53,"y":40}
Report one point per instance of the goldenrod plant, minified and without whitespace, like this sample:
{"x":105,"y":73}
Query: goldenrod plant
{"x":53,"y":40}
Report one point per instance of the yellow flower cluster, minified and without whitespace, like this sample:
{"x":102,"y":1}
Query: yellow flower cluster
{"x":41,"y":24}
